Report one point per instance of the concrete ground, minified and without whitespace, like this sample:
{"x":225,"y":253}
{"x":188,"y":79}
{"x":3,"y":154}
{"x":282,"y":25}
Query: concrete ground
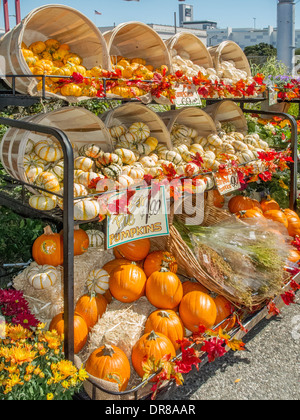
{"x":268,"y":370}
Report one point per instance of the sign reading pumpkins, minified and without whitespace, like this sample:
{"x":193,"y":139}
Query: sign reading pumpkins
{"x":186,"y":95}
{"x":146,"y":217}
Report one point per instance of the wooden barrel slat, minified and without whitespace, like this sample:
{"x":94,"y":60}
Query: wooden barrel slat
{"x":226,"y":112}
{"x":80,"y":125}
{"x":191,"y":117}
{"x":190,"y":43}
{"x":63,"y":23}
{"x":134,"y":112}
{"x":136,"y":39}
{"x":229,"y":51}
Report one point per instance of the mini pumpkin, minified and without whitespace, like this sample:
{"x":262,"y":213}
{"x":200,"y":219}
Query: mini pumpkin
{"x":98,"y":281}
{"x":197,"y":308}
{"x":159,"y":259}
{"x":42,"y":277}
{"x":134,"y":250}
{"x":164,"y":289}
{"x":47,"y":249}
{"x":127,"y":283}
{"x":91,"y":307}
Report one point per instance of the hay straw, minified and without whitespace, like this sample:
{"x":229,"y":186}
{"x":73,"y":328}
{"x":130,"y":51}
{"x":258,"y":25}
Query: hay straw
{"x":45,"y":304}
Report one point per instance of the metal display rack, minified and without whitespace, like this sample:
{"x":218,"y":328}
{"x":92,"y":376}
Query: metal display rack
{"x":66,"y":219}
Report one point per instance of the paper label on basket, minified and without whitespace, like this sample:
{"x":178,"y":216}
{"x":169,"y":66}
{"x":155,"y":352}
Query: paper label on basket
{"x":273,"y":97}
{"x":186,"y":95}
{"x":227,"y":183}
{"x":146,"y":217}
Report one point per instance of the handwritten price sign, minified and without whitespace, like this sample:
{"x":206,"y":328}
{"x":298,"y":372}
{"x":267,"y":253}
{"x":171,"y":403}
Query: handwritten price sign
{"x":227,"y":183}
{"x":147,"y":217}
{"x":187,"y":95}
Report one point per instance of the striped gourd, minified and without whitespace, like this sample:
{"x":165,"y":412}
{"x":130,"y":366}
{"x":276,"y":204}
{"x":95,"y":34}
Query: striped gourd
{"x":192,"y":169}
{"x":140,"y":130}
{"x":183,"y":148}
{"x":250,"y":140}
{"x":201,"y":140}
{"x":237,"y":136}
{"x":117,"y":131}
{"x":239,"y":145}
{"x":263,"y":144}
{"x":84,"y":163}
{"x":209,"y":148}
{"x":180,"y":131}
{"x":133,"y":172}
{"x":58,"y":170}
{"x":106,"y":159}
{"x":209,"y":155}
{"x":187,"y":156}
{"x":85,"y":178}
{"x":40,"y":202}
{"x":113,"y":171}
{"x":128,"y":138}
{"x":155,"y":171}
{"x":29,"y":148}
{"x":96,"y":238}
{"x":196,"y":148}
{"x":184,"y":140}
{"x":152,"y":142}
{"x":42,"y":276}
{"x":125,"y":181}
{"x":160,"y":148}
{"x":154,"y":157}
{"x":48,"y":181}
{"x":78,"y":191}
{"x":228,"y":148}
{"x":92,"y":151}
{"x":50,"y":152}
{"x":33,"y":167}
{"x":192,"y":133}
{"x":245,"y":156}
{"x":127,"y":156}
{"x":86,"y":209}
{"x":214,"y":139}
{"x":144,"y":149}
{"x":147,"y":162}
{"x":171,"y":156}
{"x":77,"y":173}
{"x":98,"y":281}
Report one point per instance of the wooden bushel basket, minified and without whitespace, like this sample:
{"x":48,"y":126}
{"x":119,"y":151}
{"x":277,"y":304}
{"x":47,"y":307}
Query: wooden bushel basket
{"x":229,"y":51}
{"x":134,"y":112}
{"x":191,"y":117}
{"x":80,"y":125}
{"x":138,"y":40}
{"x":63,"y":23}
{"x":228,"y":112}
{"x":190,"y":43}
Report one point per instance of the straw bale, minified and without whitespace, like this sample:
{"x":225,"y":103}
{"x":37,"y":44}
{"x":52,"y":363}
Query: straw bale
{"x":45,"y":304}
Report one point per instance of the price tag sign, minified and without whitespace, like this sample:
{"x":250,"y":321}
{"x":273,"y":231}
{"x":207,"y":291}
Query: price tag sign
{"x":273,"y":97}
{"x":187,"y":95}
{"x":227,"y":183}
{"x":147,"y":218}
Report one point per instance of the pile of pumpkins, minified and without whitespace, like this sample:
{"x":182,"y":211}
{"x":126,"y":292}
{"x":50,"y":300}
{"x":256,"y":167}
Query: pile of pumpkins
{"x":133,"y":273}
{"x":50,"y":57}
{"x":245,"y":208}
{"x":227,"y":72}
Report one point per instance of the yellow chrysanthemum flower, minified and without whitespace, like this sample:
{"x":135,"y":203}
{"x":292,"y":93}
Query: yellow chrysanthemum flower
{"x":50,"y":397}
{"x":18,"y":333}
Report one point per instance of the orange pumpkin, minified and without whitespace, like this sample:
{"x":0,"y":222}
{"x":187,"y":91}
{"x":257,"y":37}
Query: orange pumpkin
{"x":111,"y":265}
{"x":246,"y":214}
{"x":155,"y":345}
{"x":197,"y":308}
{"x":80,"y":330}
{"x":164,"y":289}
{"x":111,"y":364}
{"x":293,"y":226}
{"x":159,"y":259}
{"x":219,"y":199}
{"x":290,"y":214}
{"x":294,"y":255}
{"x":257,"y":205}
{"x":127,"y":283}
{"x":91,"y":308}
{"x":134,"y":250}
{"x":47,"y":249}
{"x":81,"y":241}
{"x":277,"y":216}
{"x":240,"y":203}
{"x":269,"y":204}
{"x":190,"y":286}
{"x":166,"y":322}
{"x":224,"y":310}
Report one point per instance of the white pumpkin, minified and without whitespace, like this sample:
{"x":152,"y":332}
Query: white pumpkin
{"x":127,"y":156}
{"x":117,"y":131}
{"x":98,"y":281}
{"x":42,"y":277}
{"x":86,"y":209}
{"x":48,"y":181}
{"x":106,"y":159}
{"x":215,"y":140}
{"x":92,"y":151}
{"x":84,"y":163}
{"x":58,"y":170}
{"x":50,"y":152}
{"x":140,"y":130}
{"x":239,"y":145}
{"x":96,"y":238}
{"x":40,"y":202}
{"x":85,"y":178}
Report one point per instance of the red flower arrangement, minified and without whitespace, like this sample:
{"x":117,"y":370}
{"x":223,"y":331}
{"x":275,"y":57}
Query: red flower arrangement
{"x":14,"y":308}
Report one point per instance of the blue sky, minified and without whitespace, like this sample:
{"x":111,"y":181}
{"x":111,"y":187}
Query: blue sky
{"x":234,"y":13}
